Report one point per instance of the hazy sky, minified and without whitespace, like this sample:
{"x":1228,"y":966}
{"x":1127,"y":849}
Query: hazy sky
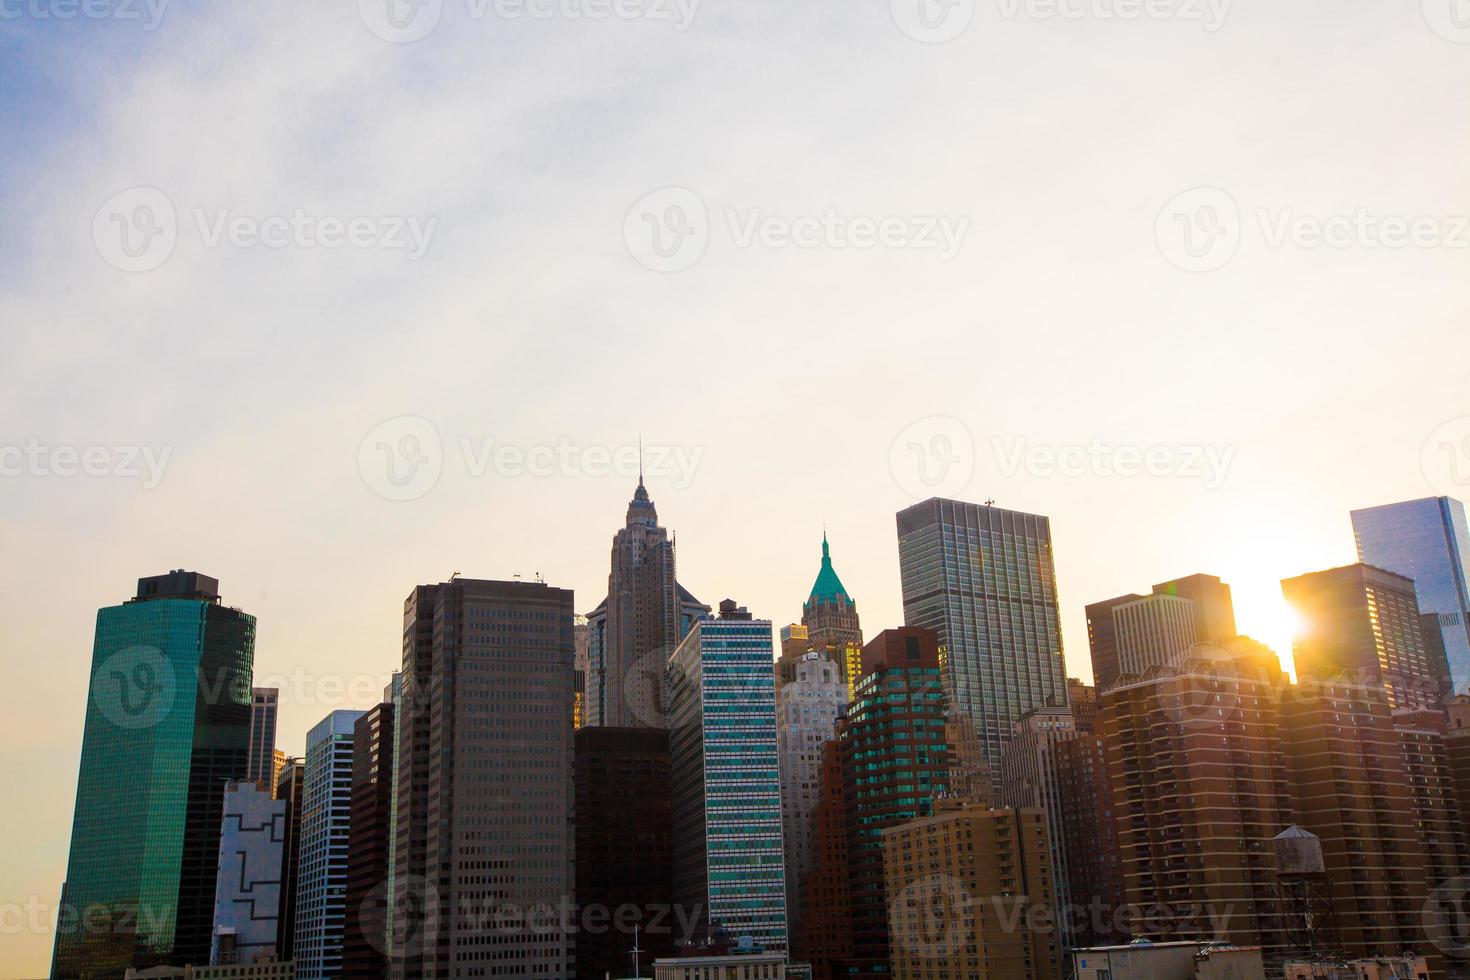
{"x":829,"y":265}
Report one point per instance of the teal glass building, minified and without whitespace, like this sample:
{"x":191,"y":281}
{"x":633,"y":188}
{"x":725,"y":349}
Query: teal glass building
{"x":167,"y":727}
{"x":729,"y":864}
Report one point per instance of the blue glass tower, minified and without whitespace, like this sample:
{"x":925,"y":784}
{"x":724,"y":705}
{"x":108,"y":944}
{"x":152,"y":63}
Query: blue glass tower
{"x":167,"y":728}
{"x":728,"y":853}
{"x":1428,"y":541}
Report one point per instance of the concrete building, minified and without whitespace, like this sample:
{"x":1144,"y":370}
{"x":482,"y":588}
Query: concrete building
{"x":971,"y":896}
{"x":1361,"y":625}
{"x":264,"y":703}
{"x":825,"y":935}
{"x":269,"y":970}
{"x":734,"y":966}
{"x":326,"y":814}
{"x":1132,"y":633}
{"x":729,"y":862}
{"x":1183,"y":960}
{"x":807,"y":707}
{"x":247,"y":896}
{"x":624,"y":848}
{"x":1152,"y":631}
{"x":1428,"y":541}
{"x":167,"y":728}
{"x":485,"y":792}
{"x":831,"y":618}
{"x":1031,"y":779}
{"x":635,"y":629}
{"x":1088,"y":829}
{"x":1376,"y":968}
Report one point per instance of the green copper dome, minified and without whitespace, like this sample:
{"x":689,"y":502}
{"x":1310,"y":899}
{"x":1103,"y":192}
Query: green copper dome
{"x":828,"y":587}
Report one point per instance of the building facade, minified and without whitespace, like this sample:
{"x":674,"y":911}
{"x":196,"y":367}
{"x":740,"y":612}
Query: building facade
{"x":1361,"y":625}
{"x":831,"y":617}
{"x":1152,"y":631}
{"x":247,"y":897}
{"x":1428,"y":541}
{"x":807,"y":707}
{"x":984,"y":580}
{"x":1132,"y":633}
{"x":728,"y":857}
{"x":264,"y":703}
{"x":365,"y":937}
{"x":167,"y":727}
{"x":484,"y":773}
{"x":326,"y":817}
{"x":624,"y":848}
{"x":290,"y":790}
{"x":971,"y":891}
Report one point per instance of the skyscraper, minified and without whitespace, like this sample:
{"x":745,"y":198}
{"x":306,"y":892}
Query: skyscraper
{"x":264,"y":702}
{"x":807,"y":707}
{"x":637,"y":626}
{"x":1428,"y":541}
{"x":290,"y":790}
{"x":484,"y":773}
{"x":1132,"y":633}
{"x":365,"y":939}
{"x":983,"y":579}
{"x":728,"y":857}
{"x":831,"y":618}
{"x":247,"y":898}
{"x":1361,"y":625}
{"x":167,"y":727}
{"x":326,"y":817}
{"x":624,"y":848}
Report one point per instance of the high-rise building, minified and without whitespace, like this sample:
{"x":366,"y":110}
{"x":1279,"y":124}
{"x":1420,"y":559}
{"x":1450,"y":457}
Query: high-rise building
{"x":971,"y":890}
{"x":1428,"y":541}
{"x":1351,"y":790}
{"x":365,"y":940}
{"x":1438,"y":808}
{"x":1132,"y":633}
{"x":895,"y":763}
{"x":582,"y":643}
{"x":278,"y":763}
{"x":264,"y":702}
{"x":326,"y":817}
{"x":1361,"y":625}
{"x":632,"y":633}
{"x":728,"y":858}
{"x":247,"y":897}
{"x":807,"y":707}
{"x":167,"y":727}
{"x":1153,"y":631}
{"x":1031,"y":779}
{"x":983,"y":579}
{"x":824,"y":938}
{"x":1089,"y":831}
{"x":830,"y":615}
{"x":484,"y":773}
{"x":624,"y":849}
{"x":290,"y":790}
{"x":1199,"y":792}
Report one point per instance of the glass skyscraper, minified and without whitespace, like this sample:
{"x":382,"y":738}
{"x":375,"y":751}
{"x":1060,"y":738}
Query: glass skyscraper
{"x":326,"y":811}
{"x":728,"y":855}
{"x":1428,"y":541}
{"x":983,"y":578}
{"x":167,"y":727}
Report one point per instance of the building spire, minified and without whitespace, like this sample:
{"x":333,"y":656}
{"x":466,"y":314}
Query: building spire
{"x":640,"y":459}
